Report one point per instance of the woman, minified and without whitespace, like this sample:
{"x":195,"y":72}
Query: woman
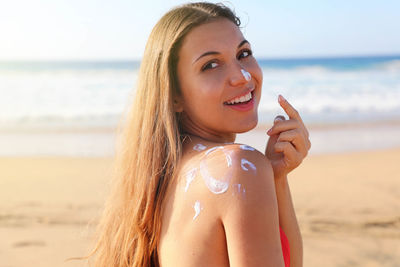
{"x":184,"y":193}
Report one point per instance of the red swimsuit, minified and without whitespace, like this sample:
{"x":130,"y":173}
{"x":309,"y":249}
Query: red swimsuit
{"x":285,"y":248}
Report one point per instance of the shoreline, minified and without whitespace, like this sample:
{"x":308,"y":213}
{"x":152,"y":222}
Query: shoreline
{"x":111,"y":127}
{"x":100,"y":141}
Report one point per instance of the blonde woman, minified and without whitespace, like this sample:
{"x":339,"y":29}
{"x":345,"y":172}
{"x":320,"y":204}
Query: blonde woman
{"x":184,"y":193}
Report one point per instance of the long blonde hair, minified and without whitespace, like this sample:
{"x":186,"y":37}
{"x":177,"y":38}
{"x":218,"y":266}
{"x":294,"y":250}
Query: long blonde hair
{"x":150,"y":146}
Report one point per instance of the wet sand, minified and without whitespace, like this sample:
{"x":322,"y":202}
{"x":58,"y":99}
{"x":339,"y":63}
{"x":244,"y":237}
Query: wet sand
{"x":99,"y":141}
{"x":347,"y":205}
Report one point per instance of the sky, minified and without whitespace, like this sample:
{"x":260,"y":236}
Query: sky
{"x":118,"y":29}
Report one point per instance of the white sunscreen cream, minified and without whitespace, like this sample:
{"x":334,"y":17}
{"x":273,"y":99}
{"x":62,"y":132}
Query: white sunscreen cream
{"x":212,"y":149}
{"x":245,"y":162}
{"x":239,"y":189}
{"x":246,"y":75}
{"x":190,"y":177}
{"x":199,"y":147}
{"x":228,"y":159}
{"x":246,"y":147}
{"x":197,"y":208}
{"x":214,"y":185}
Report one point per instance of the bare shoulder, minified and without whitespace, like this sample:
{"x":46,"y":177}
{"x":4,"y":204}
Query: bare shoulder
{"x":235,"y":172}
{"x":235,"y":184}
{"x":231,"y":167}
{"x":248,"y":172}
{"x":248,"y":208}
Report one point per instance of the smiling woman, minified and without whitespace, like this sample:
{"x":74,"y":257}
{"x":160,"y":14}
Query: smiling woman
{"x":184,"y":193}
{"x":215,"y":89}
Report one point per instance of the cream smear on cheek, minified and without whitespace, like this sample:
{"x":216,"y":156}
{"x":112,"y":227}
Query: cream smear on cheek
{"x":246,"y":75}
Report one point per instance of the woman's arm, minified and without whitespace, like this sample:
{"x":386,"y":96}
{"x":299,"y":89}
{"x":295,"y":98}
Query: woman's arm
{"x":250,"y":217}
{"x":287,"y":146}
{"x":288,"y":221}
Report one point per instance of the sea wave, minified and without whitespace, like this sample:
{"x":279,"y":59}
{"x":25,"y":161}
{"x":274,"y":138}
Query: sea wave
{"x":98,"y":95}
{"x":315,"y":69}
{"x":392,"y":66}
{"x":349,"y":64}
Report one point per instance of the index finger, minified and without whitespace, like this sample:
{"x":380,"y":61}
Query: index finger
{"x":289,"y":109}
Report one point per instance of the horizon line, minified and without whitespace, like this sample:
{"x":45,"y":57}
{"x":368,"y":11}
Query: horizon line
{"x":343,"y":56}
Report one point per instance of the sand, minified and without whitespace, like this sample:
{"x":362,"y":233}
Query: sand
{"x":348,"y":207}
{"x":84,"y":141}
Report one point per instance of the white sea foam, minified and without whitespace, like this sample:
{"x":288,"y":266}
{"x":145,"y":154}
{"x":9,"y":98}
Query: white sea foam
{"x":70,"y":96}
{"x":97,"y":97}
{"x":391,"y":66}
{"x":338,"y":94}
{"x":74,"y":97}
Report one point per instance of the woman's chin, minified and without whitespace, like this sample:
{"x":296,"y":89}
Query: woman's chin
{"x":245,"y":127}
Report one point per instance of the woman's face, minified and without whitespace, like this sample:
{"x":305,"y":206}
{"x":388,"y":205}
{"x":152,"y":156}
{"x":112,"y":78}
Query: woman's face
{"x":214,"y":65}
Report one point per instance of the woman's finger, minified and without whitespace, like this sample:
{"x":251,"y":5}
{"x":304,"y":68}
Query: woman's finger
{"x":289,"y":109}
{"x":297,"y":138}
{"x":292,"y":112}
{"x":292,"y":158}
{"x":283,"y":125}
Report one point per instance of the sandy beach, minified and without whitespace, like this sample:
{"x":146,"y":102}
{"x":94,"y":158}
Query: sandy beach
{"x":70,"y":72}
{"x":347,"y":206}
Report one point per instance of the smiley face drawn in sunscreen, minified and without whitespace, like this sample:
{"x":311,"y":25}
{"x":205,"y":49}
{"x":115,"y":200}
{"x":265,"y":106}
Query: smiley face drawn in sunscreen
{"x":246,"y":75}
{"x":215,"y":186}
{"x":199,"y":147}
{"x":245,"y":163}
{"x":197,"y":208}
{"x":190,"y":177}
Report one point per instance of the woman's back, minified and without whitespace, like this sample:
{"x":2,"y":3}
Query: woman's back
{"x":212,"y":213}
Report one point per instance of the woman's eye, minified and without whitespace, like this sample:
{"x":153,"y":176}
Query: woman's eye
{"x":245,"y":53}
{"x":209,"y":65}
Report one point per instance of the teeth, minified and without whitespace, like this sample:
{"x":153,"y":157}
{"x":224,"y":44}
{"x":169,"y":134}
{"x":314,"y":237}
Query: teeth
{"x":241,"y":99}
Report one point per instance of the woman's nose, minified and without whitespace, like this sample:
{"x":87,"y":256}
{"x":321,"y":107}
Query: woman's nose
{"x":239,"y":75}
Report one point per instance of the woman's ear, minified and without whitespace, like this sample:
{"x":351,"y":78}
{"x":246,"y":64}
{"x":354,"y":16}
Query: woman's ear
{"x":178,"y":104}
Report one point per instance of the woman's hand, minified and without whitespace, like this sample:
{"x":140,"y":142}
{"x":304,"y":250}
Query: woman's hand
{"x":289,"y":141}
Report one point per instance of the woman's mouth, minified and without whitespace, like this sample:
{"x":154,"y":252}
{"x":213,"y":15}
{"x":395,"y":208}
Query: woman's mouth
{"x":240,"y":99}
{"x":242,"y":103}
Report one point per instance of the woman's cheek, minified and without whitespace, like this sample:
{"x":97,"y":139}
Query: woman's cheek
{"x":256,"y":71}
{"x":213,"y":81}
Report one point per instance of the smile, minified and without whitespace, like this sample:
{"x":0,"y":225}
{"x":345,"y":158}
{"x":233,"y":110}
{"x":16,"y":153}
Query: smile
{"x":241,"y":98}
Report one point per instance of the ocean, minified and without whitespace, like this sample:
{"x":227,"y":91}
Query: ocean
{"x":84,"y":95}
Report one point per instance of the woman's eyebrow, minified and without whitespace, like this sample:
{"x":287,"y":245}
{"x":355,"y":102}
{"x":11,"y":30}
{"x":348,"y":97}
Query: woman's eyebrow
{"x":243,"y":42}
{"x":217,"y":53}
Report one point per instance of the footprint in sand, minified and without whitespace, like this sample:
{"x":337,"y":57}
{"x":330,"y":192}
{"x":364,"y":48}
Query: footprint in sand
{"x":29,"y":243}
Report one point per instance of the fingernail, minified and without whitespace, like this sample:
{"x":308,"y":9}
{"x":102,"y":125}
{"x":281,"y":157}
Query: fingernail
{"x":269,"y":131}
{"x":281,"y":98}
